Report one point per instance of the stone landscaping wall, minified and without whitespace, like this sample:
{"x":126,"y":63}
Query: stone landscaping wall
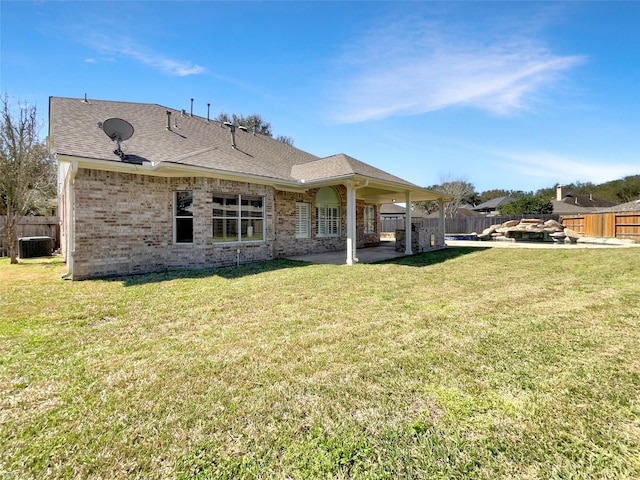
{"x":530,"y":229}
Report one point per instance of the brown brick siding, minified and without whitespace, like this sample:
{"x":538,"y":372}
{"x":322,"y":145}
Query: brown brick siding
{"x":124,"y":224}
{"x":286,"y":244}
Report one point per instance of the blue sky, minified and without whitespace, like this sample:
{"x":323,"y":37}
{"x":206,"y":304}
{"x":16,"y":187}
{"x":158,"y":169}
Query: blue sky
{"x":512,"y":95}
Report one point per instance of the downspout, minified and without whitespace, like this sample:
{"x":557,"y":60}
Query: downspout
{"x":71,"y":201}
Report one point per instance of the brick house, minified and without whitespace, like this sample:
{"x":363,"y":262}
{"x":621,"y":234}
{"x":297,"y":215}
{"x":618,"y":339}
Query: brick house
{"x":188,"y":192}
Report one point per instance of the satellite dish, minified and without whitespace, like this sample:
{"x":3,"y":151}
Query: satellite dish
{"x":118,"y":130}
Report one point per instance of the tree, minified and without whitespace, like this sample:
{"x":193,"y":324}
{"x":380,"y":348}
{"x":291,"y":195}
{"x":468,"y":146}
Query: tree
{"x":254,"y":123}
{"x":27,"y":170}
{"x":528,"y":204}
{"x":623,"y":190}
{"x":460,"y":189}
{"x":497,"y":193}
{"x":285,"y":139}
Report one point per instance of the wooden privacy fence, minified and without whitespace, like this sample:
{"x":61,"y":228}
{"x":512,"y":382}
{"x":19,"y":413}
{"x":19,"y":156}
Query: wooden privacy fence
{"x":33,"y":227}
{"x":459,"y":225}
{"x":610,"y":225}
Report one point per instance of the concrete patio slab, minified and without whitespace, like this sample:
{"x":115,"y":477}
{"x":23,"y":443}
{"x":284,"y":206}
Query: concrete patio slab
{"x":385,"y":251}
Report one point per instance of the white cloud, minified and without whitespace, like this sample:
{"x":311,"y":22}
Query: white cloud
{"x":160,"y":62}
{"x":554,"y":167}
{"x":124,"y":47}
{"x":411,"y":68}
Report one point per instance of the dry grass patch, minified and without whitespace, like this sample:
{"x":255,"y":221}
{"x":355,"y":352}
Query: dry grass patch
{"x":453,"y":364}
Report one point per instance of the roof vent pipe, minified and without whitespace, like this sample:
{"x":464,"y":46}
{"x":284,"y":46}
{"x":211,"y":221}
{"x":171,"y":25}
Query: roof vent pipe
{"x":192,"y":107}
{"x":208,"y":106}
{"x":168,"y":120}
{"x":232,"y":127}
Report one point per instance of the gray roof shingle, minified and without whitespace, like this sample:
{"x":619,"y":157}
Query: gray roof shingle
{"x":74,"y":130}
{"x":191,"y":140}
{"x":195,"y":142}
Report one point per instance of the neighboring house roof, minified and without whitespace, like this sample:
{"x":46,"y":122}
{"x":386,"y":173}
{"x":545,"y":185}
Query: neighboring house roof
{"x":460,"y":213}
{"x":181,"y":144}
{"x":573,"y":203}
{"x":633,"y":206}
{"x":392,"y":209}
{"x":587,"y":201}
{"x":493,"y":204}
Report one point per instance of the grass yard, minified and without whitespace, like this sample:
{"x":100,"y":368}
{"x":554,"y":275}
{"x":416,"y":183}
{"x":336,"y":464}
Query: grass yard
{"x":464,"y":363}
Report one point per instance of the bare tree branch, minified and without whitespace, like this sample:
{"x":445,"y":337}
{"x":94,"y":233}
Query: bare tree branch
{"x":27,"y":170}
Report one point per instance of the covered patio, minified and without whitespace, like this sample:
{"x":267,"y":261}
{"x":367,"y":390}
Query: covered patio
{"x":370,"y":185}
{"x":374,"y":190}
{"x":384,"y":251}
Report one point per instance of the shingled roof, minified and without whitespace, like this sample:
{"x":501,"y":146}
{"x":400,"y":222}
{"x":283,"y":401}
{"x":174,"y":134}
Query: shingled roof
{"x":493,"y":204}
{"x":190,"y":140}
{"x":170,"y":140}
{"x":341,"y":165}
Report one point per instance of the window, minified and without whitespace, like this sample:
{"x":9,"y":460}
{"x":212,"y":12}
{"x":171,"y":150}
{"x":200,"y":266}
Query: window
{"x":238,"y":218}
{"x":183,"y":216}
{"x":303,"y":220}
{"x":327,"y":213}
{"x":369,"y":219}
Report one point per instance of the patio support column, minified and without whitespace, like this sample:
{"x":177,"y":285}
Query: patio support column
{"x":407,"y":224}
{"x":441,"y":224}
{"x":351,"y":223}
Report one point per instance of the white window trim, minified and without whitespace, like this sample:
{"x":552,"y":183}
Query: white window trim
{"x":239,"y":219}
{"x":176,"y":217}
{"x":303,"y":220}
{"x":372,"y":213}
{"x":324,"y":227}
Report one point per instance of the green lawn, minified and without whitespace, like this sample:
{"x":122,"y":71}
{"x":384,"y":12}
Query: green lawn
{"x":463,"y":363}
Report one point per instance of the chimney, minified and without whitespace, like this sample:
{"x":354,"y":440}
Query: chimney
{"x":191,"y":107}
{"x":168,"y":120}
{"x":208,"y":106}
{"x":560,"y":194}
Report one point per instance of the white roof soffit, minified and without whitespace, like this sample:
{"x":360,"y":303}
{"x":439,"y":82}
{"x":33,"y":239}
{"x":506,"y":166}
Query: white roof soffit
{"x":380,"y":191}
{"x":375,"y":190}
{"x":174,"y":170}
